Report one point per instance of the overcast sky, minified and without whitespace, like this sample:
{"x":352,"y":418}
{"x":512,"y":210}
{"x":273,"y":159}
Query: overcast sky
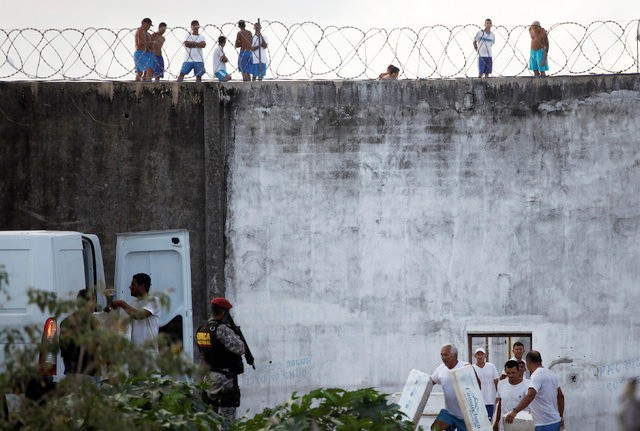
{"x":359,"y":13}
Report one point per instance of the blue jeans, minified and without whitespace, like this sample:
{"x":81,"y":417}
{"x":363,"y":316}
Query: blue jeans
{"x":490,"y":408}
{"x":552,"y":427}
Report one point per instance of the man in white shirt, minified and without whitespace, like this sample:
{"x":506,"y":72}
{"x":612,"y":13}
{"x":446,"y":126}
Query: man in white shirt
{"x":482,"y":43}
{"x":193,"y":60}
{"x":145,"y":312}
{"x":488,"y":375}
{"x":518,"y":354}
{"x":510,"y":392}
{"x":259,"y":50}
{"x":451,"y":415}
{"x":220,"y":61}
{"x":544,"y":396}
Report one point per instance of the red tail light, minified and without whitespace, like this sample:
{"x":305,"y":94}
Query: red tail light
{"x":47,"y":359}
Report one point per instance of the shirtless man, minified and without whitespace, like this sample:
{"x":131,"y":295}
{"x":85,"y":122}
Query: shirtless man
{"x":143,"y":56}
{"x":391,"y":73}
{"x":243,"y":41}
{"x":539,"y":49}
{"x":158,"y":39}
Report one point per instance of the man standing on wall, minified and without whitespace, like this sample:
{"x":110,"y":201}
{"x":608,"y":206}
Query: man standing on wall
{"x":538,"y":61}
{"x":143,"y":56}
{"x":510,"y":392}
{"x":544,"y":397}
{"x":243,"y":41}
{"x":451,"y":416}
{"x":488,"y":376}
{"x":222,"y":349}
{"x":158,"y":39}
{"x":193,"y":60}
{"x":482,"y":43}
{"x":259,"y":47}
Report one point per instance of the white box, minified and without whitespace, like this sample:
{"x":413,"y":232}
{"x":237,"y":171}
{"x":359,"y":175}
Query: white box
{"x":415,"y":395}
{"x":470,"y":399}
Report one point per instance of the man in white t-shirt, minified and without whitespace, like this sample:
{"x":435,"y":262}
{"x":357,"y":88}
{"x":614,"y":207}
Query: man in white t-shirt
{"x":488,"y":375}
{"x":193,"y":59}
{"x":145,"y":312}
{"x":259,"y":49}
{"x":220,"y":60}
{"x":544,"y":397}
{"x":510,"y":392}
{"x":482,"y":43}
{"x":518,"y":356}
{"x":451,"y":416}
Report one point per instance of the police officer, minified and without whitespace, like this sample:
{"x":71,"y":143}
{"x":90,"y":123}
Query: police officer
{"x":222,"y":349}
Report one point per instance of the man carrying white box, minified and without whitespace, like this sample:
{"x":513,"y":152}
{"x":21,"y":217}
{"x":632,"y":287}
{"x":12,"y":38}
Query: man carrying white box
{"x":451,"y":416}
{"x":544,"y":397}
{"x":510,"y":392}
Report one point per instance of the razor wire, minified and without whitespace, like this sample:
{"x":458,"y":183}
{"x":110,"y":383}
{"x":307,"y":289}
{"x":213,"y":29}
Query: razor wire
{"x":308,"y":50}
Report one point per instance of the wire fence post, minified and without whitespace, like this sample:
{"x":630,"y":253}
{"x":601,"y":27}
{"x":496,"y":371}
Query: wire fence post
{"x":260,"y":51}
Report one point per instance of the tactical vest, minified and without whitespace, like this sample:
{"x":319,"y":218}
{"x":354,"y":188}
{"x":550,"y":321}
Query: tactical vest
{"x":215,"y":354}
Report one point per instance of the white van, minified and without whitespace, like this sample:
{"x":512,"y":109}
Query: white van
{"x":66,"y":262}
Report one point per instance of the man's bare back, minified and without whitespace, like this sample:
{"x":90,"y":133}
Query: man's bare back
{"x":243,"y":40}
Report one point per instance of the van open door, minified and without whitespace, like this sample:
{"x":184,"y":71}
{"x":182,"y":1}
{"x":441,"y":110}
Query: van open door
{"x":165,"y":256}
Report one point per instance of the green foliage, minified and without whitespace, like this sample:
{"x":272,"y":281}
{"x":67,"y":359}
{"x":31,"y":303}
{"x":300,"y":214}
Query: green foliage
{"x":330,"y":409}
{"x":130,"y":395}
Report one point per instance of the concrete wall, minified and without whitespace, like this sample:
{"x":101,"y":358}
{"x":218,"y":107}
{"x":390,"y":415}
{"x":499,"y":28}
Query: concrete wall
{"x":370,"y":222}
{"x":111,"y":157}
{"x":357,"y":226}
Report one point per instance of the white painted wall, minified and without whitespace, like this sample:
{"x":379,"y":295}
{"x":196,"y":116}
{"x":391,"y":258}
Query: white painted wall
{"x":370,"y":222}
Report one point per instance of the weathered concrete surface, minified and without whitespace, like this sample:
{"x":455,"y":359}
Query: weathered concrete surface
{"x":363,"y":223}
{"x":369,"y":222}
{"x":106,"y":158}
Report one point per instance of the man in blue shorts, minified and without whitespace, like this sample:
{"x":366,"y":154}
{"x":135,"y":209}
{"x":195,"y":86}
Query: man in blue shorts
{"x":158,"y":40}
{"x":193,"y":60}
{"x":259,"y":47}
{"x":539,"y":49}
{"x":449,"y":418}
{"x":220,"y":61}
{"x":243,"y":41}
{"x":143,"y":55}
{"x":482,"y":43}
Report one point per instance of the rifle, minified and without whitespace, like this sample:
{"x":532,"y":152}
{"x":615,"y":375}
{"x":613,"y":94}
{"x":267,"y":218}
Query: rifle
{"x":247,"y":351}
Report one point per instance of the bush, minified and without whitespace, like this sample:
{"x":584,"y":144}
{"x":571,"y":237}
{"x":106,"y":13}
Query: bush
{"x":330,"y":409}
{"x":129,"y":395}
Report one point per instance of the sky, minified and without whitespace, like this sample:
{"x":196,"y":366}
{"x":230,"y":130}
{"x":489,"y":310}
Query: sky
{"x":118,"y":14}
